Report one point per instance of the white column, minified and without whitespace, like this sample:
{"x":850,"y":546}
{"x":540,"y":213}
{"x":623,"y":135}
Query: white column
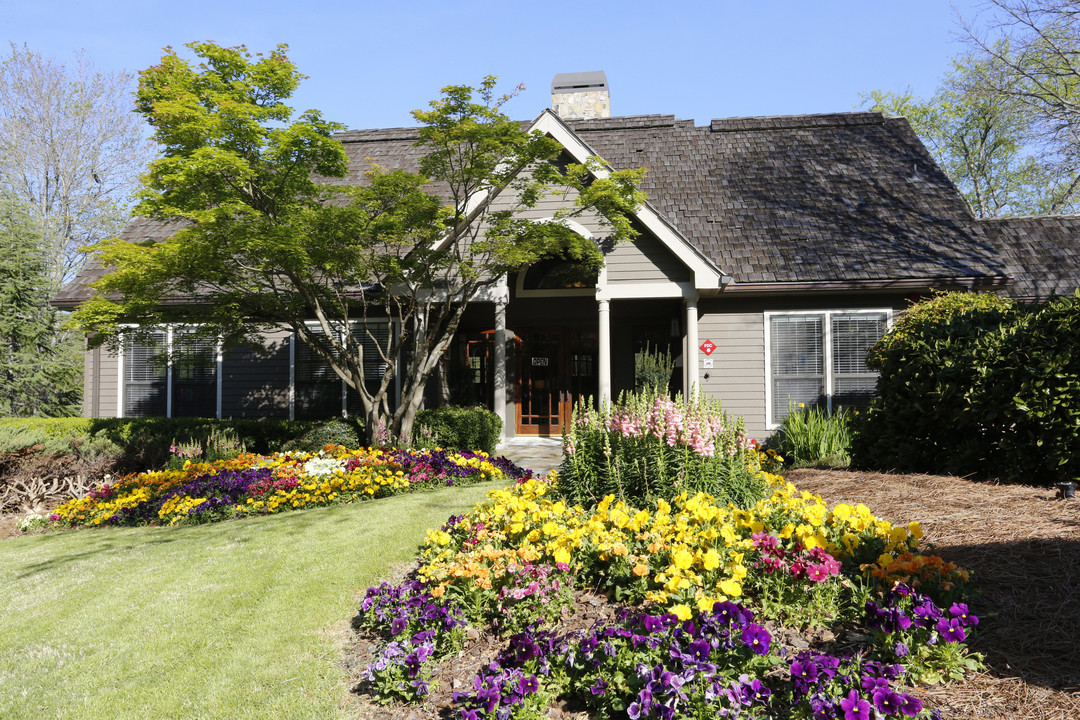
{"x":690,"y":364}
{"x":500,"y":365}
{"x":604,"y":359}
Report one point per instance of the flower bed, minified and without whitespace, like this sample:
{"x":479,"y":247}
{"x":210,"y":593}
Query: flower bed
{"x":262,"y":484}
{"x":710,"y":594}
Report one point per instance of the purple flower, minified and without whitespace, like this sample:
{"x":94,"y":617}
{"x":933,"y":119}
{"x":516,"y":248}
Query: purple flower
{"x":960,"y":612}
{"x":886,"y":701}
{"x":900,"y":650}
{"x":804,"y":673}
{"x":854,"y":707}
{"x":910,"y":705}
{"x":951,"y":630}
{"x":756,"y":638}
{"x":528,"y":685}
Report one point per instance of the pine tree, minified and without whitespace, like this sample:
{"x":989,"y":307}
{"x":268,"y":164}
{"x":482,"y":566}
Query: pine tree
{"x":39,"y":372}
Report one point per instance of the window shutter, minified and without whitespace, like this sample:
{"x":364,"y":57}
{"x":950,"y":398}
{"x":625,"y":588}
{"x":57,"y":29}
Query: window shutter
{"x":194,"y":375}
{"x":318,"y":388}
{"x":374,"y":366}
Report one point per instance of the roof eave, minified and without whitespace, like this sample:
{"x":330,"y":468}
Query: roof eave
{"x":974,"y":282}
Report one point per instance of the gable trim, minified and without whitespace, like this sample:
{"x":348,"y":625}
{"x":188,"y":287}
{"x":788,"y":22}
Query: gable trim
{"x":706,"y":274}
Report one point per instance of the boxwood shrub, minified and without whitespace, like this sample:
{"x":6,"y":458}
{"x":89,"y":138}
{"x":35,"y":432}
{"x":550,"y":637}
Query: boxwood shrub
{"x":458,"y":428}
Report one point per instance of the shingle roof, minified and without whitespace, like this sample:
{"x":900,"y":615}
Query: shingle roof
{"x":841,"y":197}
{"x":846,"y":197}
{"x":1042,"y":253}
{"x":138,"y":230}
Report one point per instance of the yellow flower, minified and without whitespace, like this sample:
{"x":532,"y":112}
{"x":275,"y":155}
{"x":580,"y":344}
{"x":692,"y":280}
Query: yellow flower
{"x":682,"y":559}
{"x":730,"y":587}
{"x":682,"y":611}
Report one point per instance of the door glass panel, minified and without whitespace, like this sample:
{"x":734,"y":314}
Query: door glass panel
{"x":540,"y":391}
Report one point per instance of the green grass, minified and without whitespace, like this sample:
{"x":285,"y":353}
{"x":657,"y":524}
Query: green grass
{"x":239,"y":619}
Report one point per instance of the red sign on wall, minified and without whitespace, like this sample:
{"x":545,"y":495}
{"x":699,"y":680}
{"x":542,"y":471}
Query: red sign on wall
{"x":707,"y":347}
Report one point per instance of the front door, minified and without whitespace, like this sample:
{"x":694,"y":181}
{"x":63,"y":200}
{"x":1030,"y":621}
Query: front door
{"x":556,"y":366}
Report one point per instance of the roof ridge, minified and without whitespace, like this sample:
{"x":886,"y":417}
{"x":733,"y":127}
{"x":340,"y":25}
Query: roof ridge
{"x":375,"y":134}
{"x":622,"y":122}
{"x":794,"y":122}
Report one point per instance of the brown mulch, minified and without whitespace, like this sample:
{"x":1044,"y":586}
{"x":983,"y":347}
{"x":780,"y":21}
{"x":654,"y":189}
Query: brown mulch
{"x":1022,"y":545}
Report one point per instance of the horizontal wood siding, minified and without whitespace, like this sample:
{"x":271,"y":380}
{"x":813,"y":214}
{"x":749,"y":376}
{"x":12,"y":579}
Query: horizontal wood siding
{"x":737,"y":377}
{"x":255,"y":381}
{"x":100,"y":381}
{"x":644,"y":260}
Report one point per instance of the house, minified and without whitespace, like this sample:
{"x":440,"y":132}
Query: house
{"x":772,"y":252}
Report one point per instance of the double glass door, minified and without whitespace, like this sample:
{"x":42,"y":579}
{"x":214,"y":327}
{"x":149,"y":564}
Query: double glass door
{"x":556,"y":366}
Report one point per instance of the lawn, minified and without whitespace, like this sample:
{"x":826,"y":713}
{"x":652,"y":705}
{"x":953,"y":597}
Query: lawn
{"x":240,"y":619}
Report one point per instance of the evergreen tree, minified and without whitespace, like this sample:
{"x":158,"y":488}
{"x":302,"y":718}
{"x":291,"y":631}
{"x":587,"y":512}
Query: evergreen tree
{"x":39,"y":363}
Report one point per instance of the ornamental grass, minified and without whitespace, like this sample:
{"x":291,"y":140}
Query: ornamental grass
{"x":263,"y":484}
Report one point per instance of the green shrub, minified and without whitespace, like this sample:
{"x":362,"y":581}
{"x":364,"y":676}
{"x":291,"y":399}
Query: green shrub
{"x":123,"y":445}
{"x":993,"y":390}
{"x":328,"y":432}
{"x":652,"y":370}
{"x":929,"y":362}
{"x":458,"y":428}
{"x":813,"y":437}
{"x":1027,"y":398}
{"x":648,"y":447}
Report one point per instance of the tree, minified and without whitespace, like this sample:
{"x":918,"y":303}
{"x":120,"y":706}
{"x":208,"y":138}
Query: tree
{"x":71,"y":150}
{"x":1029,"y":55}
{"x":271,"y":242}
{"x":985,"y":143}
{"x":39,"y":365}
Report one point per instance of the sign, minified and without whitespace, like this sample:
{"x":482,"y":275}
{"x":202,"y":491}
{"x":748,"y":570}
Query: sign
{"x":707,"y":364}
{"x":539,"y":362}
{"x":707,"y":347}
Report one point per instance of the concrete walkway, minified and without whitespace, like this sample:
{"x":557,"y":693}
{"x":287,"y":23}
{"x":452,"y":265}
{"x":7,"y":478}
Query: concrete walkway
{"x":539,"y":454}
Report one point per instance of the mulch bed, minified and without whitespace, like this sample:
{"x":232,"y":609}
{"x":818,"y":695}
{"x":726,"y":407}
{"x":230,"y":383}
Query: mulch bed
{"x":1023,"y":546}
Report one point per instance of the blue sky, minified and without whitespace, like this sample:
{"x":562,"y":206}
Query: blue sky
{"x":370,"y":63}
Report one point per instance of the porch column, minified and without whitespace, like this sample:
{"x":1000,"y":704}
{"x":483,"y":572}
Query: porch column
{"x":604,"y":355}
{"x":500,"y":364}
{"x":690,"y":364}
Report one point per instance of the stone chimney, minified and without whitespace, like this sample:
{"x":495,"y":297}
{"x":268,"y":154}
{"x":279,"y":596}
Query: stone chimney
{"x":581,"y":95}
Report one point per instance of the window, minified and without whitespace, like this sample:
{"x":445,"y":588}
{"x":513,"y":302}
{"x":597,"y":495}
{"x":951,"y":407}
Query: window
{"x":819,"y":358}
{"x":145,"y":374}
{"x":320,"y":392}
{"x":170,"y":374}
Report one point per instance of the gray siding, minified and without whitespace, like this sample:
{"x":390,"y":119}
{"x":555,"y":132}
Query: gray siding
{"x":100,"y":381}
{"x":255,"y":380}
{"x":737,"y":326}
{"x":737,"y":377}
{"x":644,"y":260}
